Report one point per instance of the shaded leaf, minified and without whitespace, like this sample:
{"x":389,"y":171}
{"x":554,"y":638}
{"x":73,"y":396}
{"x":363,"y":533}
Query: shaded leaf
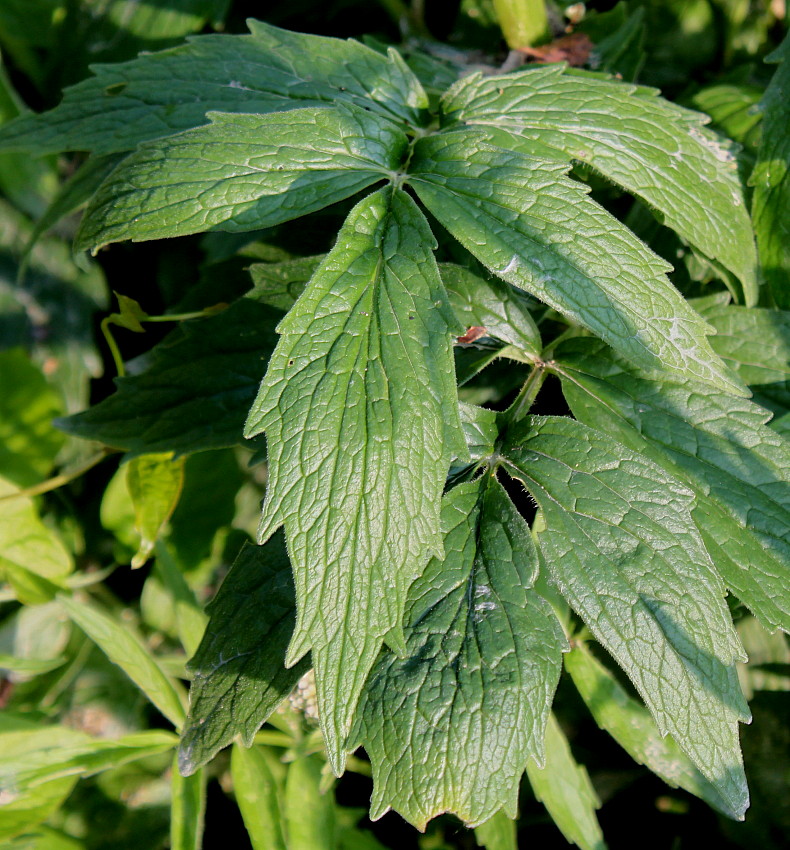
{"x":308,"y":813}
{"x":187,"y":809}
{"x":621,"y":545}
{"x":631,"y":725}
{"x":719,"y":445}
{"x":240,"y":677}
{"x":196,"y":392}
{"x":497,"y":833}
{"x":451,"y":726}
{"x":268,"y":71}
{"x":670,"y":160}
{"x":361,"y":415}
{"x":533,"y":227}
{"x":242,"y":172}
{"x":771,"y":181}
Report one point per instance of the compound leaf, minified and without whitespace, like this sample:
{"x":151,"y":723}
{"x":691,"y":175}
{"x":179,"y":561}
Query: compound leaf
{"x":532,"y":226}
{"x":721,"y":447}
{"x":240,"y":677}
{"x":270,"y":70}
{"x":361,"y":414}
{"x":658,"y":151}
{"x":196,"y":392}
{"x":451,"y":726}
{"x":771,"y":181}
{"x":242,"y":172}
{"x":621,"y":545}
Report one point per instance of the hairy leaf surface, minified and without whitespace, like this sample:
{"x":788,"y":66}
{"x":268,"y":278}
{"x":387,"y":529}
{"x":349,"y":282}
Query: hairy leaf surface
{"x":532,"y":226}
{"x":771,"y":181}
{"x":654,"y":149}
{"x":361,"y":416}
{"x":239,"y":672}
{"x":451,"y":726}
{"x":621,"y":545}
{"x":631,"y":725}
{"x":719,"y":445}
{"x":196,"y":392}
{"x":242,"y":172}
{"x":270,"y":70}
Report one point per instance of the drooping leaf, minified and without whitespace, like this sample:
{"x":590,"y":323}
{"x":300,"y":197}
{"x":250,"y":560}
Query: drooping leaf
{"x":451,"y":726}
{"x":268,"y":71}
{"x":126,"y":650}
{"x":654,"y":149}
{"x":187,"y":809}
{"x":564,"y":788}
{"x":719,"y":445}
{"x":621,"y":545}
{"x":240,"y":677}
{"x":28,"y":442}
{"x":631,"y":725}
{"x":492,"y":304}
{"x":154,"y":482}
{"x":258,"y":797}
{"x":33,"y":560}
{"x":532,"y":226}
{"x":196,"y":391}
{"x":242,"y":172}
{"x":360,"y":410}
{"x":771,"y":181}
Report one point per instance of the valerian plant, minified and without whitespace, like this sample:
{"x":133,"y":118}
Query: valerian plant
{"x":435,"y":619}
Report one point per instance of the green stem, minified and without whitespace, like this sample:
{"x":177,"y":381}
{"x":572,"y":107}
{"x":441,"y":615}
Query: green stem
{"x":527,"y":395}
{"x":113,"y":346}
{"x":59,"y":480}
{"x":523,"y":22}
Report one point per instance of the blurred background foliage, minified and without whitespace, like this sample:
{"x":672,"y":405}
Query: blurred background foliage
{"x":92,"y":687}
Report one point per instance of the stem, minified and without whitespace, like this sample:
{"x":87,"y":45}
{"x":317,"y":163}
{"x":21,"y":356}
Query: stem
{"x":527,"y":394}
{"x":523,"y":22}
{"x":113,"y":346}
{"x":60,"y":480}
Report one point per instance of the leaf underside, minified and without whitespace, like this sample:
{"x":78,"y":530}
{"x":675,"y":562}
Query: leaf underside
{"x":361,"y":415}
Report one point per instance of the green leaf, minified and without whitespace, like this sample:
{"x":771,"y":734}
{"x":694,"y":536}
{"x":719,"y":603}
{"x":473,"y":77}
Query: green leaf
{"x":240,"y":677}
{"x":309,"y":814}
{"x":564,"y":788}
{"x":280,"y":284}
{"x":503,"y":311}
{"x":32,"y":558}
{"x":719,"y":445}
{"x":533,"y":227}
{"x":480,"y":430}
{"x":451,"y":726}
{"x":731,"y":106}
{"x":258,"y":797}
{"x":497,"y":833}
{"x":654,"y":149}
{"x":31,"y":758}
{"x":187,"y":809}
{"x":242,"y":172}
{"x":28,"y":442}
{"x":771,"y":181}
{"x":755,"y":344}
{"x":190,"y":621}
{"x":154,"y":483}
{"x":631,"y":725}
{"x":621,"y":545}
{"x":196,"y":392}
{"x":126,"y":650}
{"x":269,"y":71}
{"x":360,"y":409}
